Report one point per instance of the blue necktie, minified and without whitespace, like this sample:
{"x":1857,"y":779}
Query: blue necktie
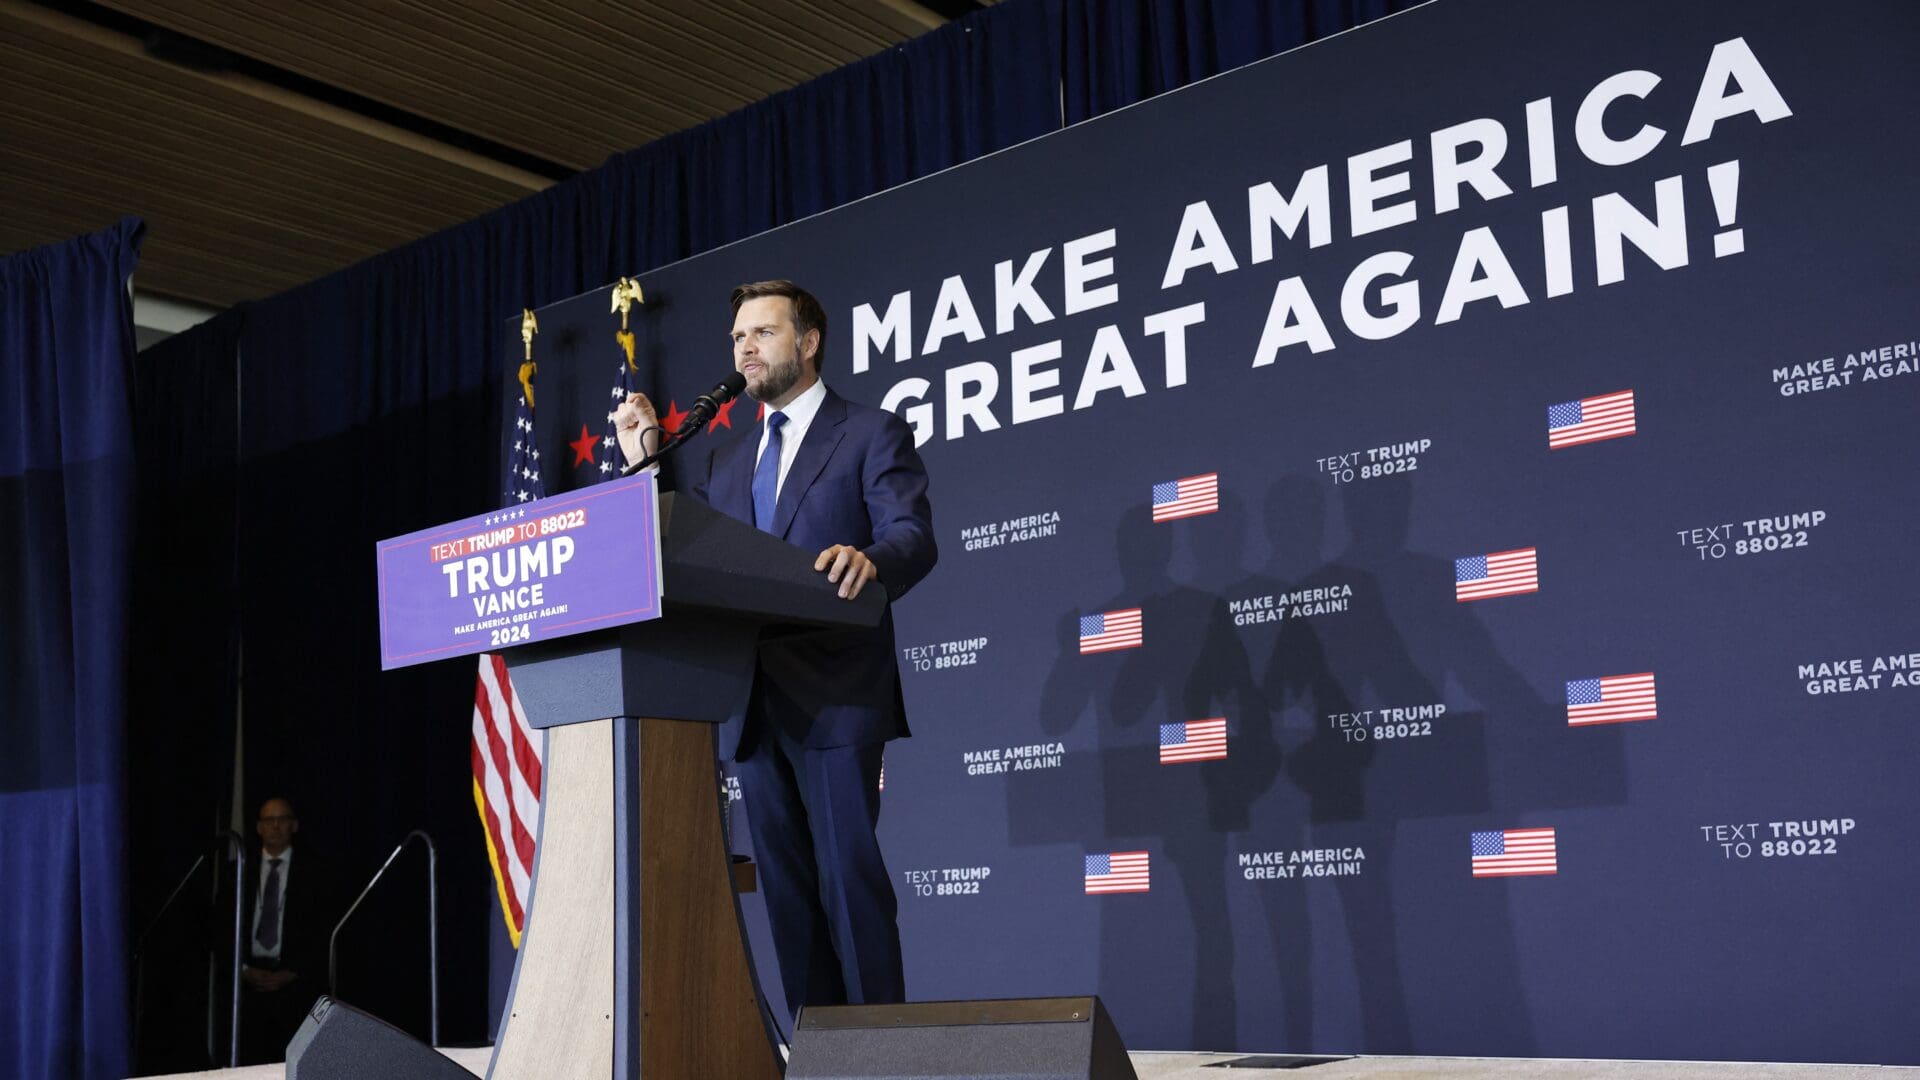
{"x":267,"y":934}
{"x":766,"y":475}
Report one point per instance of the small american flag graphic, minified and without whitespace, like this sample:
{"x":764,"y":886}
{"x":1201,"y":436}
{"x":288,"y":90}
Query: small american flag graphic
{"x":1186,"y":498}
{"x":1194,"y":740}
{"x":1502,"y":573}
{"x":1611,"y":699}
{"x":1514,"y":853}
{"x":1110,"y":630}
{"x":1607,"y":416}
{"x":1120,"y":871}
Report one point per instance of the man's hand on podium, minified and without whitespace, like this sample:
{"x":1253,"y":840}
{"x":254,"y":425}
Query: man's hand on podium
{"x":845,"y":564}
{"x":638,"y":427}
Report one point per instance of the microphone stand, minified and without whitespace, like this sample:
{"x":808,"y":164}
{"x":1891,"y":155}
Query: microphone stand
{"x":687,"y":431}
{"x":698,"y":417}
{"x":672,"y":441}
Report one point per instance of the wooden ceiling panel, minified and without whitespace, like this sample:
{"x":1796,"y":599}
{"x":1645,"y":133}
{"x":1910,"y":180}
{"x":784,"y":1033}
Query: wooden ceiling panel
{"x":251,"y":185}
{"x":567,"y":81}
{"x":245,"y":191}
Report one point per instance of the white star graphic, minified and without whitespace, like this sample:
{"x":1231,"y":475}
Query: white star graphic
{"x":521,"y":495}
{"x":606,"y":466}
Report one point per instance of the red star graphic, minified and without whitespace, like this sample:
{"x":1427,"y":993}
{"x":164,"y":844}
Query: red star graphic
{"x":722,"y":418}
{"x":671,"y":421}
{"x":583,"y":447}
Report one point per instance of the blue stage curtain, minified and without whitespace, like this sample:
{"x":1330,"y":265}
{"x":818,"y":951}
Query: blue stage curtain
{"x":979,"y":84}
{"x":66,"y":528}
{"x":1118,"y":52}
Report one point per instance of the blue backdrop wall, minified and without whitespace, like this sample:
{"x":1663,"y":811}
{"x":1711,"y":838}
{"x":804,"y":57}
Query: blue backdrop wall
{"x":1528,"y":391}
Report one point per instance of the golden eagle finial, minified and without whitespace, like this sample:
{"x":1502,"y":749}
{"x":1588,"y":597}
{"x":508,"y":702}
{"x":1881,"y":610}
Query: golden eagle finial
{"x":529,"y":326}
{"x":626,"y":293}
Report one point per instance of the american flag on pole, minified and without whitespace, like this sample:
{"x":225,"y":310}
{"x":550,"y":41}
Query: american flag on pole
{"x":609,"y":458}
{"x":1502,"y":573}
{"x":1607,"y":416}
{"x":1121,"y":871}
{"x":1514,"y":853}
{"x":523,"y":461}
{"x":1611,"y":699}
{"x":1194,"y":740}
{"x":1186,"y":498}
{"x":507,"y":753}
{"x":1110,"y":630}
{"x":507,"y":764}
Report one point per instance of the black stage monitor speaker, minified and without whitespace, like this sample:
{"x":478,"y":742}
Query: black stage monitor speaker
{"x":1024,"y":1039}
{"x":339,"y":1042}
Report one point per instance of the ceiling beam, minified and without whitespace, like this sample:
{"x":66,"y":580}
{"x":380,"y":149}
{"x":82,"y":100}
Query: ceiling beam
{"x":280,"y":97}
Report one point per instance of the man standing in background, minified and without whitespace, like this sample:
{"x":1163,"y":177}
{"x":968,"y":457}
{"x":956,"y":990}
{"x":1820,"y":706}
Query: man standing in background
{"x":284,"y":964}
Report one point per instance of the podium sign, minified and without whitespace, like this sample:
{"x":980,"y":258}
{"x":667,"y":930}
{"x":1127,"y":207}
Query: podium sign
{"x":566,"y":565}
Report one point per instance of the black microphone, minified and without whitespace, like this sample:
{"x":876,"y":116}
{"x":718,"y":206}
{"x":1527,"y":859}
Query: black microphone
{"x":697,"y":417}
{"x":709,"y":403}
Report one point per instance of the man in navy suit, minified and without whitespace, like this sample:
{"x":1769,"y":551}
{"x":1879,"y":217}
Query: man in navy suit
{"x":290,"y":910}
{"x":844,"y":480}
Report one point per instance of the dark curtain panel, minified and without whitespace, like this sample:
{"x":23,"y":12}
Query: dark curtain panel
{"x":1118,"y":52}
{"x":181,"y":717}
{"x":66,"y":527}
{"x":979,"y":84}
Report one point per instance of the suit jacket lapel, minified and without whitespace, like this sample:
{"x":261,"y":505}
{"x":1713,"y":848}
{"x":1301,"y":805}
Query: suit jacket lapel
{"x":823,"y":435}
{"x":730,"y":486}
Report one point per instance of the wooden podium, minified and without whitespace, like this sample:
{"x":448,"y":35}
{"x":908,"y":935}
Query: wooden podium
{"x":633,"y":961}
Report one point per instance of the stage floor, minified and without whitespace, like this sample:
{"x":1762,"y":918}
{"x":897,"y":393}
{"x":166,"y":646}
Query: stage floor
{"x":1229,"y":1066}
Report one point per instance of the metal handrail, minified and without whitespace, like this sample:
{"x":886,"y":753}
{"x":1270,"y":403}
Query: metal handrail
{"x":239,"y":938}
{"x":232,"y":839}
{"x":433,"y":930}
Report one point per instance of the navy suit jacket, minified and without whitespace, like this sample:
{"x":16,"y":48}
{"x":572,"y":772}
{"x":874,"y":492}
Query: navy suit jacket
{"x":858,"y":480}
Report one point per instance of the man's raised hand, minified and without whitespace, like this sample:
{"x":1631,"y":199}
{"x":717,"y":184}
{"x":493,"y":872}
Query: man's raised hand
{"x":632,"y":421}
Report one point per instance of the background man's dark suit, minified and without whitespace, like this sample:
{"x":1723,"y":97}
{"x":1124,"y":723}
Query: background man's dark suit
{"x":268,"y":1019}
{"x":807,"y":744}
